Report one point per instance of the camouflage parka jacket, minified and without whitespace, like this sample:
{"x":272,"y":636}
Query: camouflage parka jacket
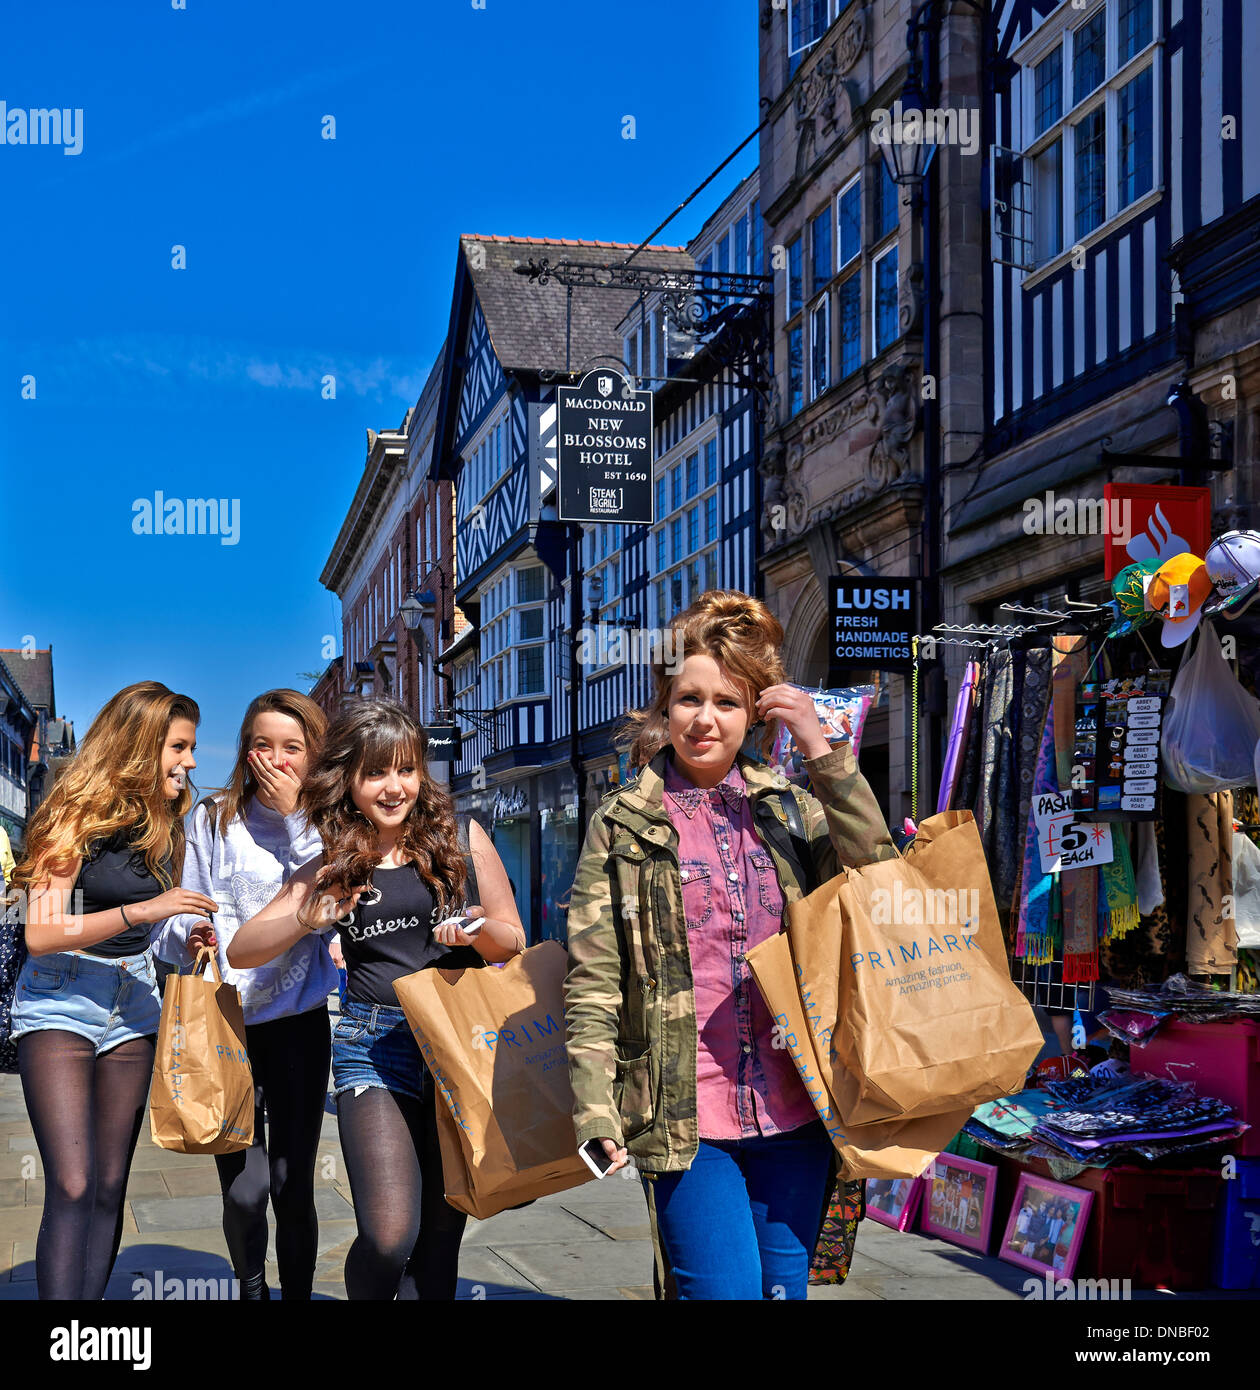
{"x":629,"y":999}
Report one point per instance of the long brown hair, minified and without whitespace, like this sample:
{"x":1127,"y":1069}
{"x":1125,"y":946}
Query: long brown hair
{"x":740,"y":633}
{"x":115,"y":782}
{"x":374,"y":734}
{"x":242,"y":784}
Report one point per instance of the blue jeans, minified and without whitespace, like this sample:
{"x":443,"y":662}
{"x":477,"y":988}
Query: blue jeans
{"x":742,"y":1221}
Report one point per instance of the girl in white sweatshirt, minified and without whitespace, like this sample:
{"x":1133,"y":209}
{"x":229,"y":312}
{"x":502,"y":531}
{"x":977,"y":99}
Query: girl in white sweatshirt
{"x":242,"y":847}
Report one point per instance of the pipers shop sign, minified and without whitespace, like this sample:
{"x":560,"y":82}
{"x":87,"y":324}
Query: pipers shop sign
{"x":604,"y":450}
{"x":872,"y":623}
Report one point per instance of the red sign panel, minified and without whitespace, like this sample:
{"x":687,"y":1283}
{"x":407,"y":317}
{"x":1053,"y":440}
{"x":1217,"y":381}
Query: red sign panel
{"x":1154,"y":521}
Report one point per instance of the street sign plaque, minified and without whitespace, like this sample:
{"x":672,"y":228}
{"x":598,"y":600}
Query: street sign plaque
{"x":604,"y":454}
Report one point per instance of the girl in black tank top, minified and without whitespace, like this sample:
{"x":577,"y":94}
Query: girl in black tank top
{"x":391,"y":935}
{"x":396,"y":868}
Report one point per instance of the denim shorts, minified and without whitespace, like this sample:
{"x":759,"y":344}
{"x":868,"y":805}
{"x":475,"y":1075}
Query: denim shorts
{"x":107,"y":1001}
{"x":373,"y":1045}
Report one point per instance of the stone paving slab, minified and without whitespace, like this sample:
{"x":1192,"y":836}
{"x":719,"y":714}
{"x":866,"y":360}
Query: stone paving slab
{"x":532,"y":1225}
{"x":607,"y":1264}
{"x":482,"y":1268}
{"x":185,"y":1213}
{"x":192,"y":1182}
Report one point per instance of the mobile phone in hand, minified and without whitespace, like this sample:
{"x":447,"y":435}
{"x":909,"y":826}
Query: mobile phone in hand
{"x":469,"y":925}
{"x":592,"y":1154}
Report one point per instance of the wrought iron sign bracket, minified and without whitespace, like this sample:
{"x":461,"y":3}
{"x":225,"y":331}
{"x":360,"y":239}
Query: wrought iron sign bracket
{"x":728,"y":313}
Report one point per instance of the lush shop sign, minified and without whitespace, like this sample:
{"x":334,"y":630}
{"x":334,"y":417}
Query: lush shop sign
{"x":604,"y":450}
{"x":873,"y":622}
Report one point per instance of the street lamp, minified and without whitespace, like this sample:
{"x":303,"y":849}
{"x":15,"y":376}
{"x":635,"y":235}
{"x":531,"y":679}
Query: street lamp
{"x":908,"y":159}
{"x":416,"y":607}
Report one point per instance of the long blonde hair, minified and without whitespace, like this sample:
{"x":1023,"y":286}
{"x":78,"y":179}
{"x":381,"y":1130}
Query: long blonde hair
{"x":242,"y":784}
{"x":115,"y":783}
{"x":740,"y":633}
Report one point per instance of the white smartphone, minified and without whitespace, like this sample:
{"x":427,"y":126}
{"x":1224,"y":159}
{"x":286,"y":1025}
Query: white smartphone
{"x":593,"y":1155}
{"x":470,"y":926}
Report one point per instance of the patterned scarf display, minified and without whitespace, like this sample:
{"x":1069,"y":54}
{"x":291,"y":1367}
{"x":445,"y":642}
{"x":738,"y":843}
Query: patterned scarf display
{"x":1211,"y":941}
{"x":1118,"y":902}
{"x":1033,"y":938}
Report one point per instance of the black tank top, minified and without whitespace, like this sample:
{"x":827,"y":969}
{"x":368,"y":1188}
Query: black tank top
{"x":393,"y":936}
{"x":115,"y":875}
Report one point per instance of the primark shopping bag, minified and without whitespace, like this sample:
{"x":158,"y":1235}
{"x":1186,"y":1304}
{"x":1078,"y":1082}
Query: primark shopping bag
{"x":903,"y":964}
{"x":886,"y":1149}
{"x":494,"y":1041}
{"x":202,"y":1101}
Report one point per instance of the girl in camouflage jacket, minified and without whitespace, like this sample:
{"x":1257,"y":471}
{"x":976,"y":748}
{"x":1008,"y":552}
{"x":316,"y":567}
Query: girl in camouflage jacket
{"x":672,"y":1052}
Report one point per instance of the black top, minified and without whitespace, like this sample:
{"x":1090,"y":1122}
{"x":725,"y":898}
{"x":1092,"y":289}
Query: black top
{"x":113,"y":875}
{"x":393,"y":937}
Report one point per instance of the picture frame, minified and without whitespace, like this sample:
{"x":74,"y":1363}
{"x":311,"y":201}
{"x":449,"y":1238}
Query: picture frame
{"x":1046,"y":1226}
{"x":959,"y":1198}
{"x":893,"y":1201}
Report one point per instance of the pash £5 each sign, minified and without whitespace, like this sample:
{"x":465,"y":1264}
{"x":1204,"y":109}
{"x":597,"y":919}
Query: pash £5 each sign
{"x":1065,"y":842}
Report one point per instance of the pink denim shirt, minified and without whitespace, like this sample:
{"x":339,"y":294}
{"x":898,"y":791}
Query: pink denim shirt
{"x":732,"y":901}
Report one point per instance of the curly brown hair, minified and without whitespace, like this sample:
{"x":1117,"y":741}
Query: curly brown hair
{"x":740,"y":633}
{"x":374,"y":734}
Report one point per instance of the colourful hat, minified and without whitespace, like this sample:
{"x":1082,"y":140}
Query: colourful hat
{"x":1233,"y":566}
{"x":1177,"y":592}
{"x":1129,"y":591}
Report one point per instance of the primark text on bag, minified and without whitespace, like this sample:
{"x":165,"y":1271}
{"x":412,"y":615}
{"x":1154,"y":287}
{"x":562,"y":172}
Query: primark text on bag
{"x":494,"y":1041}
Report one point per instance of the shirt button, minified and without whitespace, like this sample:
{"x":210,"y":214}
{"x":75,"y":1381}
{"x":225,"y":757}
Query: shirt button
{"x":747,"y":1047}
{"x":733,"y":876}
{"x":738,"y":916}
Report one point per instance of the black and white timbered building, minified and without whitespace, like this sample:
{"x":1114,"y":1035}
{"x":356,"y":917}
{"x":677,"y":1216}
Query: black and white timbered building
{"x":1123,"y":269}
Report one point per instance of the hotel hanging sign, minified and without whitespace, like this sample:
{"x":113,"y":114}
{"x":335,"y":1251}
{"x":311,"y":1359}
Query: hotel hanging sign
{"x":872,"y":623}
{"x":604,"y":453}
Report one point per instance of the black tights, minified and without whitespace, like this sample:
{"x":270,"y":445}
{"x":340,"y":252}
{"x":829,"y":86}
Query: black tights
{"x":409,"y":1235}
{"x":289,"y":1057}
{"x":86,"y":1112}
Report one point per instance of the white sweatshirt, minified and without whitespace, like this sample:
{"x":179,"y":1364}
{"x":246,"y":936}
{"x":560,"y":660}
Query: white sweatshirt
{"x":243,"y":872}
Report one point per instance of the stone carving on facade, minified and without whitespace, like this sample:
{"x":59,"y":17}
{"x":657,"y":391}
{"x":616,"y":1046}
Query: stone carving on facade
{"x":814,"y":100}
{"x":910,"y":306}
{"x":852,"y":40}
{"x":897,"y":419}
{"x":785,"y":504}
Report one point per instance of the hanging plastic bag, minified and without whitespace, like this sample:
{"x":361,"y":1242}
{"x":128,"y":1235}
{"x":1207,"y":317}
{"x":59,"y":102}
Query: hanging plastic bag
{"x":1212,"y":725}
{"x":842,"y":714}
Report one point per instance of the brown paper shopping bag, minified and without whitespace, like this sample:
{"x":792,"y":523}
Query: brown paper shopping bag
{"x":202,"y":1101}
{"x":904,"y":962}
{"x":495,"y":1043}
{"x":891,"y":1149}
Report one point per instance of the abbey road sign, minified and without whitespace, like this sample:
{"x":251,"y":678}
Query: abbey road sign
{"x":604,"y":454}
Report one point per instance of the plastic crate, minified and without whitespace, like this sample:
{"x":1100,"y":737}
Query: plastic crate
{"x":1236,"y":1252}
{"x":1218,"y":1059}
{"x":1152,"y":1225}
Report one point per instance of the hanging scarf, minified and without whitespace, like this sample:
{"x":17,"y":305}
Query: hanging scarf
{"x":1117,"y":897}
{"x":1033,"y":931}
{"x":1211,"y":941}
{"x":1080,"y":926}
{"x":999,"y":689}
{"x":955,"y":753}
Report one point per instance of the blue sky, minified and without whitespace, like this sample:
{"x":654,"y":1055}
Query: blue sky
{"x":202,"y":127}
